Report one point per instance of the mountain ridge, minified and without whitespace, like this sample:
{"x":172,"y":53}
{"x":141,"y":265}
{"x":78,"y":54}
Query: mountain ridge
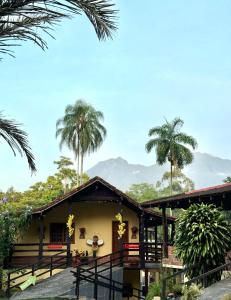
{"x":205,"y":170}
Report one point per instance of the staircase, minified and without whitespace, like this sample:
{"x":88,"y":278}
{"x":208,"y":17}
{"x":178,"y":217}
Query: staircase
{"x":105,"y":277}
{"x":61,"y":286}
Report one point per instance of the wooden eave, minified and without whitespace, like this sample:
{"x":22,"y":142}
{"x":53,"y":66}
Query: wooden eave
{"x":113,"y":195}
{"x":219,"y":195}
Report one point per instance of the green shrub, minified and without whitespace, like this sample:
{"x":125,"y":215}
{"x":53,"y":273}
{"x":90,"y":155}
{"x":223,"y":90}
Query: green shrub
{"x":226,"y":297}
{"x":153,"y":290}
{"x":177,"y":289}
{"x":202,"y":238}
{"x":191,"y":292}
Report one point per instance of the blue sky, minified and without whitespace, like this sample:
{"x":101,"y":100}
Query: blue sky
{"x":167,"y":59}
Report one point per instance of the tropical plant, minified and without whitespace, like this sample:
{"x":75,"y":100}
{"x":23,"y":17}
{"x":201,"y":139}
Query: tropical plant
{"x":28,"y":19}
{"x":81,"y":131}
{"x":171,"y":145}
{"x":16,"y":138}
{"x":142,"y":192}
{"x":153,"y":290}
{"x":191,"y":292}
{"x":202,"y":239}
{"x":12,"y":225}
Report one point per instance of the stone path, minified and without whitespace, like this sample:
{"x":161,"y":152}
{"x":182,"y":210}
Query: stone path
{"x":61,"y":286}
{"x":217,"y":290}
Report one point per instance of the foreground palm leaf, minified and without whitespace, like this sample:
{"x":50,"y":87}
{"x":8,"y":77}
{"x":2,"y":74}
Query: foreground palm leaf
{"x":16,"y":139}
{"x":20,"y":20}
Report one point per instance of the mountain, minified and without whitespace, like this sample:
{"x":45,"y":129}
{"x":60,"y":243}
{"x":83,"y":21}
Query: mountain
{"x":206,"y":170}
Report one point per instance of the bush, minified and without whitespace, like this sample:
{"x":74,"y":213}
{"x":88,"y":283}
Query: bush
{"x":153,"y":290}
{"x":191,"y":292}
{"x":177,"y":289}
{"x":202,"y":238}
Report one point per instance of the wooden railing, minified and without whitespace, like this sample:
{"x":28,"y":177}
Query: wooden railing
{"x":16,"y":277}
{"x":34,"y":247}
{"x":146,"y":252}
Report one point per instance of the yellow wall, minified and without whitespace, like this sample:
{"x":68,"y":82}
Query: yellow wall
{"x":96,"y":217}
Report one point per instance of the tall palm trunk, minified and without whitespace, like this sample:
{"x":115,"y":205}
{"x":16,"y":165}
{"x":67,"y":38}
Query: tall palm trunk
{"x":81,"y":171}
{"x":78,"y":163}
{"x":171,"y":175}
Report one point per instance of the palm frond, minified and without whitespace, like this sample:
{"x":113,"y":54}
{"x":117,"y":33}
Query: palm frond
{"x":16,"y":139}
{"x":22,"y":20}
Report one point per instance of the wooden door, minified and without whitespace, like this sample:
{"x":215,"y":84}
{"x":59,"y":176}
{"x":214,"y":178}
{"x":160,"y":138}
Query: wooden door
{"x":116,"y":242}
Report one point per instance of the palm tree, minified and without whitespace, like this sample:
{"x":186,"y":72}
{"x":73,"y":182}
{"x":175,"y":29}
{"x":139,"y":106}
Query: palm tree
{"x":171,"y":145}
{"x":81,"y":130}
{"x":26,"y":19}
{"x":16,"y":139}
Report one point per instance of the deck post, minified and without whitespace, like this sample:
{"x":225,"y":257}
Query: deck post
{"x":155,"y":233}
{"x":141,"y":240}
{"x":41,"y":234}
{"x":172,"y":232}
{"x":165,"y":232}
{"x":146,"y":282}
{"x":68,"y":238}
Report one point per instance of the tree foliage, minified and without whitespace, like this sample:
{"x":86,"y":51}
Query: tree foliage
{"x":23,"y":20}
{"x":16,"y":138}
{"x":171,"y":145}
{"x":142,"y":192}
{"x":227,"y":179}
{"x":180,"y":183}
{"x":12,"y":225}
{"x":44,"y":192}
{"x":202,"y":238}
{"x":81,"y":131}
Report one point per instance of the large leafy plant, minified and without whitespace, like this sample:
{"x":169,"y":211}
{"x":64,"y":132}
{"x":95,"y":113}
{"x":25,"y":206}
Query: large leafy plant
{"x":203,"y":237}
{"x":12,"y":225}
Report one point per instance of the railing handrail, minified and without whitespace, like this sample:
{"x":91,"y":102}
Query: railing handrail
{"x":37,"y":244}
{"x":206,"y":274}
{"x":53,"y":259}
{"x":30,"y":265}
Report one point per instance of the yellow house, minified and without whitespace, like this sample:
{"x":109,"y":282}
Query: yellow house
{"x":94,"y":206}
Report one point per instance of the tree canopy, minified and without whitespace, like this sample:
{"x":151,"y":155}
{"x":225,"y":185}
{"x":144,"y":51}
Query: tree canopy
{"x":142,"y":192}
{"x":81,"y":131}
{"x":44,"y":192}
{"x":171,"y":145}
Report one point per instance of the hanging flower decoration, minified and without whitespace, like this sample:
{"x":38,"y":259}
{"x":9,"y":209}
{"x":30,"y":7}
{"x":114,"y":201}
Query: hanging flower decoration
{"x":69,"y":225}
{"x":121,"y":227}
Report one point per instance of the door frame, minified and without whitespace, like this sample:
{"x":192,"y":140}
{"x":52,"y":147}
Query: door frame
{"x":126,"y":232}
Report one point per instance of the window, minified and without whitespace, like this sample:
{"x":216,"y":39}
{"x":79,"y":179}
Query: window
{"x":58,"y":233}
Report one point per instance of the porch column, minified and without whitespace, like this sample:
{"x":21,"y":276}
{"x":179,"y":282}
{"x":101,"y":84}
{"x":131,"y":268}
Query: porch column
{"x":145,"y":282}
{"x":155,"y":235}
{"x":165,"y":232}
{"x":146,"y":234}
{"x":173,"y":232}
{"x":68,"y":239}
{"x":41,"y":234}
{"x":141,"y":240}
